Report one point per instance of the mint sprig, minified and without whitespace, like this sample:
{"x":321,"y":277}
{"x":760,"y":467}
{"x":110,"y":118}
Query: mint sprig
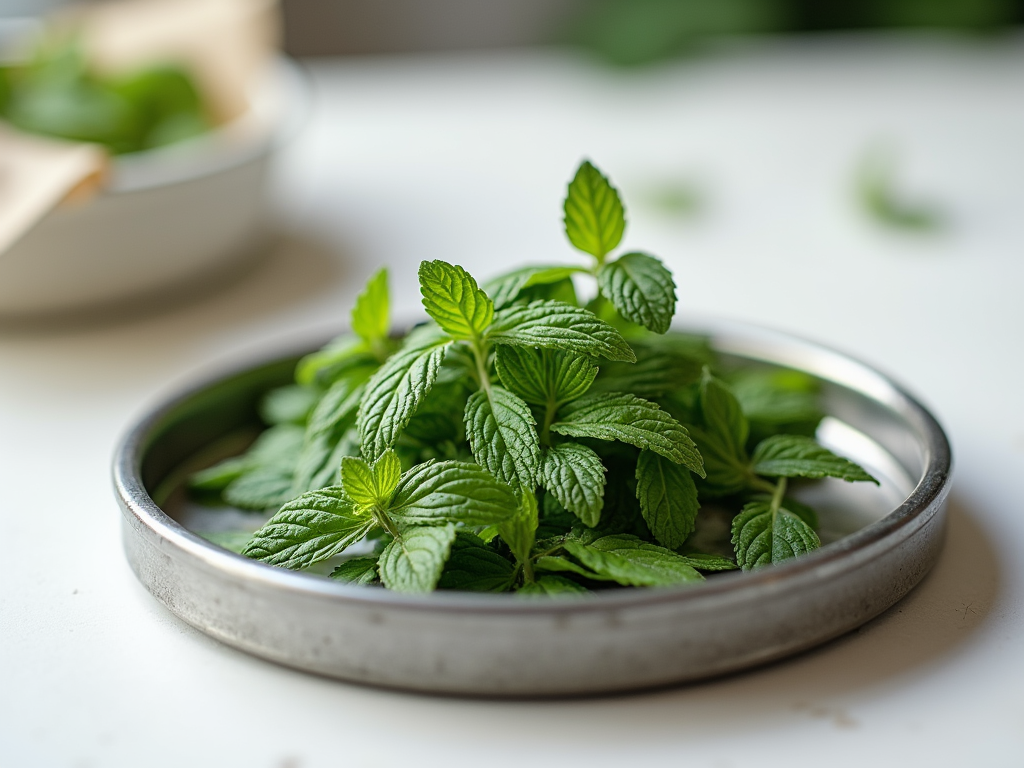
{"x":523,"y":439}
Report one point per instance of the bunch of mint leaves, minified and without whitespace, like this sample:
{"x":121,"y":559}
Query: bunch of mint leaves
{"x":56,"y":93}
{"x":520,"y":441}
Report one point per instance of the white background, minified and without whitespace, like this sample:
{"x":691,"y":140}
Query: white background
{"x":465,"y":157}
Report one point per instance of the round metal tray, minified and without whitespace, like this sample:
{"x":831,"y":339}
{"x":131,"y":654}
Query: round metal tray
{"x":505,"y":645}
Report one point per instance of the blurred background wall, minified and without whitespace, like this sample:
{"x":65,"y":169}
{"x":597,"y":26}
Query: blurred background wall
{"x":620,"y":31}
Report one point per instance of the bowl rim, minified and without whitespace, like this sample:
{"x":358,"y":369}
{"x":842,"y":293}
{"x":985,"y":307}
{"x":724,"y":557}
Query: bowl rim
{"x":729,"y":336}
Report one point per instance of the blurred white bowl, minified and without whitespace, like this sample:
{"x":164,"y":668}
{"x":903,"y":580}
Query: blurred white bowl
{"x":168,"y":217}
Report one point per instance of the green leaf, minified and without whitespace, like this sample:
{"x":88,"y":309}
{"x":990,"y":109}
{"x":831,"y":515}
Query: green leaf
{"x":544,"y":376}
{"x":503,"y":436}
{"x":340,"y":402}
{"x":777,"y":396}
{"x":451,"y":491}
{"x":594,"y":218}
{"x":452,"y":298}
{"x":795,"y":456}
{"x":370,"y":314}
{"x":556,"y":325}
{"x":220,"y":475}
{"x":653,"y":375}
{"x":552,"y":586}
{"x":233,"y":541}
{"x":325,"y":366}
{"x":440,"y":415}
{"x":288,"y":405}
{"x":519,"y":531}
{"x":263,"y":476}
{"x":706,"y":562}
{"x":722,"y":438}
{"x":315,"y":526}
{"x":370,"y":486}
{"x":574,"y":475}
{"x":668,"y":498}
{"x":319,"y":461}
{"x":642,"y":290}
{"x":723,"y":415}
{"x":761,"y":537}
{"x":261,"y":488}
{"x":632,"y":420}
{"x":630,"y":561}
{"x":475,"y":567}
{"x":506,"y":288}
{"x":395,"y":391}
{"x":358,"y":570}
{"x":414,"y":560}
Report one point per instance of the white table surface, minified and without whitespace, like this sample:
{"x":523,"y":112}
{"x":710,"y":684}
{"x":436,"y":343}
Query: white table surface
{"x":465,"y":157}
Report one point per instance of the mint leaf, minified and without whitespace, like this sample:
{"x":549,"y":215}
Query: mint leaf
{"x":261,"y":488}
{"x":233,"y":541}
{"x":574,"y":475}
{"x":777,"y":396}
{"x":358,"y":570}
{"x":325,"y":366}
{"x":220,"y":475}
{"x":370,"y":486}
{"x":594,"y":218}
{"x":315,"y":526}
{"x":340,"y":402}
{"x":394,"y":392}
{"x":506,"y":288}
{"x":552,"y":586}
{"x":414,"y":560}
{"x":451,"y":491}
{"x":503,"y":437}
{"x":475,"y":567}
{"x":452,"y":298}
{"x":722,"y":439}
{"x":544,"y":376}
{"x":654,"y":374}
{"x":319,"y":462}
{"x":440,"y":415}
{"x":761,"y":536}
{"x":641,"y":288}
{"x":556,"y":325}
{"x":632,"y":562}
{"x":370,"y":313}
{"x":519,"y":531}
{"x":288,"y":405}
{"x":668,"y":498}
{"x":723,"y":415}
{"x":632,"y":420}
{"x":705,"y":562}
{"x":795,"y":456}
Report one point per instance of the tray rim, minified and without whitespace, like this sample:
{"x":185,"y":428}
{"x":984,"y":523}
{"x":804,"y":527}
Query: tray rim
{"x":149,"y":520}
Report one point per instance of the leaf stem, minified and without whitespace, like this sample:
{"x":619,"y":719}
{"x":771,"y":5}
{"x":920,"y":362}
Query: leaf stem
{"x":384,"y":521}
{"x":480,"y":358}
{"x":778,"y":495}
{"x":549,"y":417}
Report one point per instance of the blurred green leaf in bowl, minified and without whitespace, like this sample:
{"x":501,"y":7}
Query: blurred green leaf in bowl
{"x":56,"y":93}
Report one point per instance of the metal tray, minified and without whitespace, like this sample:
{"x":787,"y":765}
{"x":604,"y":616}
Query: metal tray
{"x":504,"y":645}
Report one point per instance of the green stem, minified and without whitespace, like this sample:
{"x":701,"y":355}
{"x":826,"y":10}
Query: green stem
{"x":778,"y":495}
{"x":528,"y":577}
{"x":549,"y":417}
{"x":381,"y":518}
{"x":480,"y":358}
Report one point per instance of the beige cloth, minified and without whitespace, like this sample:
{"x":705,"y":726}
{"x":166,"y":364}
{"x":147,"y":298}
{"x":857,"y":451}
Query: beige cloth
{"x":224,"y":43}
{"x":37,"y":174}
